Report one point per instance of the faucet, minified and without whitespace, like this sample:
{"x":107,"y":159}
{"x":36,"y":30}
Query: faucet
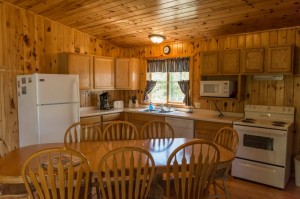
{"x":162,"y":107}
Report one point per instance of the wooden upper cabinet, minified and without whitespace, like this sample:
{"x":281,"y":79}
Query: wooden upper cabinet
{"x":223,"y":62}
{"x":252,"y":60}
{"x":280,"y":59}
{"x":104,"y":72}
{"x":71,"y":63}
{"x":209,"y":63}
{"x":229,"y":61}
{"x":127,"y":73}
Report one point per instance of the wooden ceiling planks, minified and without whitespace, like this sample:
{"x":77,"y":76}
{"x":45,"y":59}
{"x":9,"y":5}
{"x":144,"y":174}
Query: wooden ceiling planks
{"x":128,"y":23}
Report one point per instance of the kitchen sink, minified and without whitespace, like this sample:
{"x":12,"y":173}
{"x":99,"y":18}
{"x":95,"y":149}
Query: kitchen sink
{"x":165,"y":111}
{"x":147,"y":110}
{"x":156,"y":111}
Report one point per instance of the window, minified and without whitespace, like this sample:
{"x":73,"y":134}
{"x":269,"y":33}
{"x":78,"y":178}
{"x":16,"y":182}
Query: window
{"x":167,"y":89}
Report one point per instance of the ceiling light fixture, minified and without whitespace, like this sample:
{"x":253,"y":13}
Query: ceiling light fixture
{"x":155,"y":38}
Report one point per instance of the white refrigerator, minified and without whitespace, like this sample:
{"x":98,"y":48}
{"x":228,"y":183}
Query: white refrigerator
{"x":47,"y":105}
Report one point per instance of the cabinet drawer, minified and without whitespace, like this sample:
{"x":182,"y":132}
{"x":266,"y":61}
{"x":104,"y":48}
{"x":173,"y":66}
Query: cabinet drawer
{"x":90,"y":120}
{"x":110,"y":117}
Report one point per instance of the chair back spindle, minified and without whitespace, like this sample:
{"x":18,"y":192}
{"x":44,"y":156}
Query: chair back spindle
{"x":157,"y":129}
{"x":126,"y":173}
{"x":79,"y":132}
{"x":120,"y":130}
{"x":191,"y":167}
{"x":56,"y":173}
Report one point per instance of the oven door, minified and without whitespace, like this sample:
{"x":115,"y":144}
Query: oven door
{"x":262,"y":144}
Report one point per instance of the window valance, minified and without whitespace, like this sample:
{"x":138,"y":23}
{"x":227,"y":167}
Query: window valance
{"x":169,"y":65}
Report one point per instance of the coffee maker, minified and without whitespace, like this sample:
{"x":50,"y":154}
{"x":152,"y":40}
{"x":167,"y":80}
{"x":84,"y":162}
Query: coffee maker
{"x":104,"y":105}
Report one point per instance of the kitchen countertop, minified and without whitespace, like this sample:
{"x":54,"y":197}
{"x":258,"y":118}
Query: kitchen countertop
{"x":198,"y":114}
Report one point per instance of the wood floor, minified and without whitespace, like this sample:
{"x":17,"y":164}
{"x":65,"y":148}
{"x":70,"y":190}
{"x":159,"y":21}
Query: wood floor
{"x":243,"y":189}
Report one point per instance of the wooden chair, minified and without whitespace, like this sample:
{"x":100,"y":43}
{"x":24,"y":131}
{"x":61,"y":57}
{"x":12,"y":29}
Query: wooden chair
{"x":79,"y":132}
{"x":120,"y":130}
{"x":10,"y":191}
{"x":157,"y":129}
{"x":56,"y":173}
{"x":228,"y":138}
{"x":3,"y":148}
{"x":126,"y":173}
{"x":190,"y":170}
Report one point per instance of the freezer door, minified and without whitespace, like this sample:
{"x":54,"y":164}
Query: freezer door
{"x":54,"y":121}
{"x":56,"y":88}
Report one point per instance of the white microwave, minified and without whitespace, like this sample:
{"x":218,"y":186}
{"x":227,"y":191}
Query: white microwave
{"x":217,"y":88}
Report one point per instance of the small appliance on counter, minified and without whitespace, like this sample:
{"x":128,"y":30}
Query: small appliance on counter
{"x":133,"y":102}
{"x":104,"y":105}
{"x":119,"y":104}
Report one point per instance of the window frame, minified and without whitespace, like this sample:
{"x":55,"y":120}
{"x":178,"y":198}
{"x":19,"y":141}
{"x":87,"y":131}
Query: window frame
{"x":168,"y":90}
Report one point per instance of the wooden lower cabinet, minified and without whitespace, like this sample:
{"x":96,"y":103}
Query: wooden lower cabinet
{"x":91,"y":120}
{"x":208,"y":130}
{"x":106,"y":119}
{"x":101,"y":120}
{"x":139,"y":119}
{"x":203,"y":129}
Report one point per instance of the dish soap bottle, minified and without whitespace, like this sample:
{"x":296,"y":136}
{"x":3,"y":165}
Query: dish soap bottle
{"x":150,"y":106}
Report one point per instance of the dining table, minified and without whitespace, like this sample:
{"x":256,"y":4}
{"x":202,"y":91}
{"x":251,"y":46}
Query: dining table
{"x":160,"y":149}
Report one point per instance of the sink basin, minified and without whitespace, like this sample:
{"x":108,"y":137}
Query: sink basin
{"x":165,"y":111}
{"x":155,"y":111}
{"x":147,"y":110}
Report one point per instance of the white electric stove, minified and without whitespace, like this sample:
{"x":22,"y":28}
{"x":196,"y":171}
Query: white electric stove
{"x":265,"y":147}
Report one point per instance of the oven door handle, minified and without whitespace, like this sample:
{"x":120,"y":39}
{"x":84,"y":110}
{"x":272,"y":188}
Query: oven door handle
{"x":260,"y":130}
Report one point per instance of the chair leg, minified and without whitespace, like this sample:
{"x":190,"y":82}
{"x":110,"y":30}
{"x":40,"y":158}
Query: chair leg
{"x":97,"y":189}
{"x":225,"y":188}
{"x":215,"y":188}
{"x":222,"y":186}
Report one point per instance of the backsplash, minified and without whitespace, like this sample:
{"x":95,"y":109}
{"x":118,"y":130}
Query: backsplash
{"x":91,"y":97}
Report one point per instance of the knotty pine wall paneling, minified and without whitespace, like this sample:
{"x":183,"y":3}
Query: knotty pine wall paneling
{"x":30,"y":43}
{"x":260,"y":92}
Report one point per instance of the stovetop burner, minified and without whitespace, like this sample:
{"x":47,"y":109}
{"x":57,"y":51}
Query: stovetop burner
{"x":272,"y":117}
{"x":262,"y":123}
{"x":278,"y":123}
{"x":248,"y":120}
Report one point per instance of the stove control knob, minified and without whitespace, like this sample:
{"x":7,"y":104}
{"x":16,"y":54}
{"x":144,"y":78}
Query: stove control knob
{"x":283,"y":110}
